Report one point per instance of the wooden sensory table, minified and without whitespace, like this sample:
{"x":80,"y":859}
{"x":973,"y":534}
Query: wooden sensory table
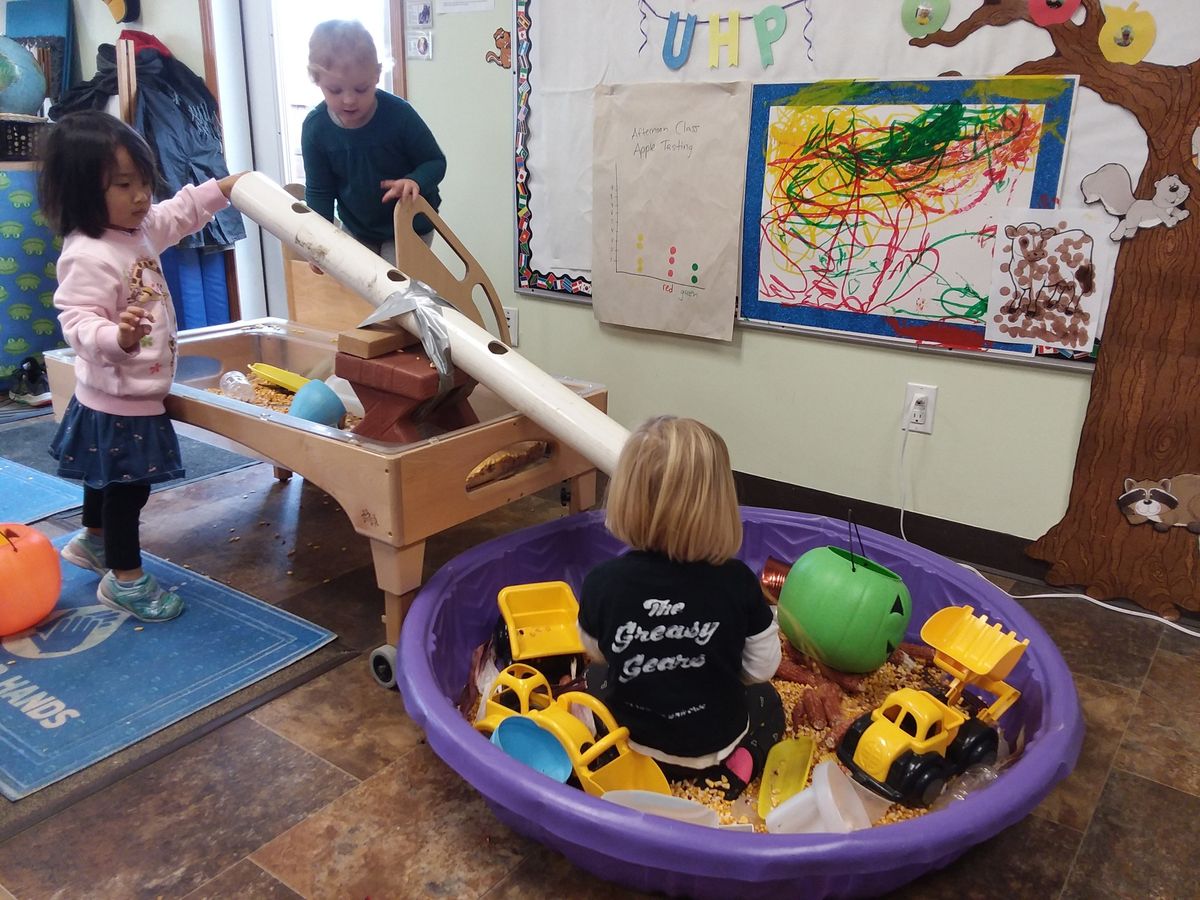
{"x":397,"y":495}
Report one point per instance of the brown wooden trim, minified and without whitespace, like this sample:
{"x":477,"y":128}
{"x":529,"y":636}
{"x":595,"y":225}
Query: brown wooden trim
{"x":399,"y":49}
{"x":977,"y":546}
{"x":209,"y":42}
{"x":126,"y":80}
{"x":231,"y":287}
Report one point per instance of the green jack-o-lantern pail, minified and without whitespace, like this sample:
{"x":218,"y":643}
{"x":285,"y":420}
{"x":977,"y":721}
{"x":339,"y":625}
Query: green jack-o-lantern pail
{"x":844,"y":609}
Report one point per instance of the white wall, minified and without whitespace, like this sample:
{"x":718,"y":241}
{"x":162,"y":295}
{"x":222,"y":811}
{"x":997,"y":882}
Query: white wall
{"x":810,"y":411}
{"x":174,"y":22}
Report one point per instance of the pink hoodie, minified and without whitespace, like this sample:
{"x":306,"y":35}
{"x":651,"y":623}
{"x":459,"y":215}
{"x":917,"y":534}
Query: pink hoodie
{"x":99,"y":277}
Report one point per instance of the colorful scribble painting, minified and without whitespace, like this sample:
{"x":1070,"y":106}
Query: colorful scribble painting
{"x":871,"y":206}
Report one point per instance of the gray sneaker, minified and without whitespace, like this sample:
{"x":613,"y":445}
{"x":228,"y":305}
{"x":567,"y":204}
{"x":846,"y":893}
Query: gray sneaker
{"x":143,"y":599}
{"x":86,"y":551}
{"x":29,"y":384}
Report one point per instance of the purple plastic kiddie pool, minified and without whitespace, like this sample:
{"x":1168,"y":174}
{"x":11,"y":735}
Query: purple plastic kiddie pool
{"x":456,"y":611}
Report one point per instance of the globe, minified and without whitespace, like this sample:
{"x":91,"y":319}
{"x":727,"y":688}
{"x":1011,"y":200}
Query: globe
{"x":22,"y":84}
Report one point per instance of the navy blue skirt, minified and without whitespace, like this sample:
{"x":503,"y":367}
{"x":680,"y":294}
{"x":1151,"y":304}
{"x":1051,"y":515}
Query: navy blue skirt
{"x":101,"y":449}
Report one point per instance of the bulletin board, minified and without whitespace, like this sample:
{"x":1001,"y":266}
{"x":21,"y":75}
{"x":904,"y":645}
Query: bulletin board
{"x":785,"y":50}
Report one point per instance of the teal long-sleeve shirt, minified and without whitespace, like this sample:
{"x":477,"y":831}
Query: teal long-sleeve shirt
{"x":346,"y":165}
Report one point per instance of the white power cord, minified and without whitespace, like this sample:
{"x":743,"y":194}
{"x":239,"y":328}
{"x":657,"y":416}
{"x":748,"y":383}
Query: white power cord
{"x":1129,"y":612}
{"x":903,"y":485}
{"x":900,"y":473}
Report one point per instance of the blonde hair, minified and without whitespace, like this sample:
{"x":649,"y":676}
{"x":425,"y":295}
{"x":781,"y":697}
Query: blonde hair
{"x":340,"y":44}
{"x":673,"y":492}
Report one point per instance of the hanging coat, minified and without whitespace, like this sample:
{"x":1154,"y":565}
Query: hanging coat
{"x":177,"y":115}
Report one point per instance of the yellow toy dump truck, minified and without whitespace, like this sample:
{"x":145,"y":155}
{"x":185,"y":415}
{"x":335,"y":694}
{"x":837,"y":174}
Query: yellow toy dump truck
{"x":537,"y":627}
{"x":907,"y":748}
{"x":601,"y":758}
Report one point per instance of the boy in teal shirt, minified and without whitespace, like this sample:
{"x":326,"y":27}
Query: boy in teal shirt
{"x":364,"y":148}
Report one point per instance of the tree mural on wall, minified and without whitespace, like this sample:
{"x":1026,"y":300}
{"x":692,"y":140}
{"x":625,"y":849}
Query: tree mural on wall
{"x":1142,"y":416}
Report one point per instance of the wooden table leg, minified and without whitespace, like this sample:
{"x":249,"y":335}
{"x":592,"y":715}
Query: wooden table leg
{"x":583,"y":491}
{"x":395,"y":609}
{"x":398,"y":572}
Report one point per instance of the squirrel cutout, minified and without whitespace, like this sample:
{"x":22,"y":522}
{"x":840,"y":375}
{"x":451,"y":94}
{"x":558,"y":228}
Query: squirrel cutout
{"x":1111,"y":185}
{"x":504,"y":44}
{"x":1164,"y":503}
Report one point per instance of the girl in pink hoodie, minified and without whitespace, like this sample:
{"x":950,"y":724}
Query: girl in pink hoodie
{"x":96,"y":186}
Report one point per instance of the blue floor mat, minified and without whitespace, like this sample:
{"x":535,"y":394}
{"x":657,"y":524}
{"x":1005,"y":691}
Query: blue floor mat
{"x":27,"y":495}
{"x":89,"y":681}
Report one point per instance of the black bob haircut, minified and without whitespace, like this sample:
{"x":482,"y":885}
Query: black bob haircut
{"x":77,"y":162}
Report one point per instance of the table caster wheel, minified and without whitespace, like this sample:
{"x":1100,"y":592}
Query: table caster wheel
{"x":383,"y":665}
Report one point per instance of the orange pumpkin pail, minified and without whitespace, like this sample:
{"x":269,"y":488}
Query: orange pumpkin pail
{"x":30,"y":577}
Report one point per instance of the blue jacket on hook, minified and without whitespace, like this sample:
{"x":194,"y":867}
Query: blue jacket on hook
{"x":177,"y":115}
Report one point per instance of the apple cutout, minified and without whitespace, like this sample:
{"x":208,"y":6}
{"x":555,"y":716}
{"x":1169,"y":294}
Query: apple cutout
{"x":1052,"y":12}
{"x":1127,"y":35}
{"x":923,"y":17}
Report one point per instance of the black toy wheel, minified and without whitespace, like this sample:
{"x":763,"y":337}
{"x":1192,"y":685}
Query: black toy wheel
{"x":928,"y":788}
{"x":918,"y":778}
{"x":501,"y":644}
{"x":976,"y":744}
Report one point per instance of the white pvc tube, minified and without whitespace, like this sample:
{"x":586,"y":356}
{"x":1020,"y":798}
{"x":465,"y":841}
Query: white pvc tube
{"x":527,"y":388}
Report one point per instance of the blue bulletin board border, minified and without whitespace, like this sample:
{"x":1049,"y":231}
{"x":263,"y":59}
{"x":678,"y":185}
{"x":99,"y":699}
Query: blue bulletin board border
{"x":1055,"y":94}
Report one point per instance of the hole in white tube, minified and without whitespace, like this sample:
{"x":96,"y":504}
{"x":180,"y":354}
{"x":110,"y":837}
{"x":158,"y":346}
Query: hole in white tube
{"x":498,"y":348}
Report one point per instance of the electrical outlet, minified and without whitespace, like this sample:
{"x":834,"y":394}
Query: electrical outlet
{"x":510,"y":314}
{"x":920,"y":400}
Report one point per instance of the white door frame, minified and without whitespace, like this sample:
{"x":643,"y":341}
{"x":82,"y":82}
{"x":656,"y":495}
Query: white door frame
{"x":244,"y":31}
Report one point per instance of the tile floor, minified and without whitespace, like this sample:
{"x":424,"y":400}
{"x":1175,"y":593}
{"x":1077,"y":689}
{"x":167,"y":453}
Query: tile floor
{"x":330,"y":790}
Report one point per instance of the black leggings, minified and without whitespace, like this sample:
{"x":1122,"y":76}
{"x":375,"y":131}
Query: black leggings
{"x":115,"y":509}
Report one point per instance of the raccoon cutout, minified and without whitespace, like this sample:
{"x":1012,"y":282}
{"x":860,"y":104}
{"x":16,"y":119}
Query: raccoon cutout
{"x":1164,"y":503}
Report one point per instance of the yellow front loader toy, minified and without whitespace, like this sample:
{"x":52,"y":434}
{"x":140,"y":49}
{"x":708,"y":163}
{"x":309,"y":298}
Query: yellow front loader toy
{"x":908,"y":746}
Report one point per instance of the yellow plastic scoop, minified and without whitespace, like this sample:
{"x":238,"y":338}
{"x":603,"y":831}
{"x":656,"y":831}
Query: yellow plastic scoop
{"x":289,"y":381}
{"x":785,"y":773}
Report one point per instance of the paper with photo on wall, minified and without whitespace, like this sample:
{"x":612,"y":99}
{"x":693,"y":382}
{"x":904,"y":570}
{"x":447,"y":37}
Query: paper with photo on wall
{"x":418,"y":14}
{"x":1052,"y":276}
{"x":420,"y":45}
{"x":668,"y":172}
